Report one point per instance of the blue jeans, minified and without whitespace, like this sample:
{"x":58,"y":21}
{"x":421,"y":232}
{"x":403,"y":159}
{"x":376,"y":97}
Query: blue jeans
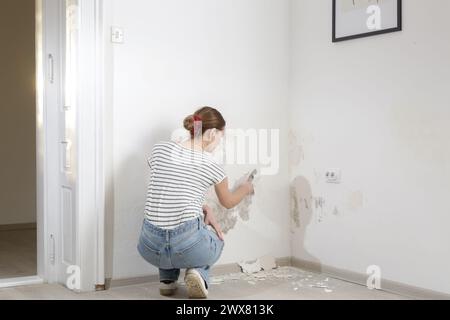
{"x":191,"y":245}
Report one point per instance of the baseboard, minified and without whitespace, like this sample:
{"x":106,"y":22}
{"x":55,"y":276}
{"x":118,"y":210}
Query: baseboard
{"x":114,"y":283}
{"x":361,"y":279}
{"x":18,"y":227}
{"x":284,"y":262}
{"x":19,"y":282}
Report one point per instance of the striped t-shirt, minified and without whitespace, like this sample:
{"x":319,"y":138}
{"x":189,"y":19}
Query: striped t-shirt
{"x":180,"y":179}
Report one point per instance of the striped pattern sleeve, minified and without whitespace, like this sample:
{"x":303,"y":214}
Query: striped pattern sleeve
{"x":217,"y":173}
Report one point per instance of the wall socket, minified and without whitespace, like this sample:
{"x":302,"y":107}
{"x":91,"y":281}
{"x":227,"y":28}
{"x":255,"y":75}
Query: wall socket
{"x":333,"y":176}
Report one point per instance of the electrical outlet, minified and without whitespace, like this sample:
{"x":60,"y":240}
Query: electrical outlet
{"x":117,"y":35}
{"x":333,"y":176}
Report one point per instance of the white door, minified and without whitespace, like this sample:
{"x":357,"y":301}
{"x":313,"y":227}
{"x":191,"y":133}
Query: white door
{"x":68,"y":168}
{"x":57,"y":227}
{"x":49,"y":101}
{"x":72,"y":183}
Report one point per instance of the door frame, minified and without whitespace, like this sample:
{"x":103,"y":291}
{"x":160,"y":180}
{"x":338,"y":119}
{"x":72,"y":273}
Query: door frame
{"x":90,"y":192}
{"x":91,"y":142}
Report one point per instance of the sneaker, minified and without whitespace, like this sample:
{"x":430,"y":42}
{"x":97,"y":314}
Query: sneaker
{"x":195,"y":285}
{"x":168,"y":289}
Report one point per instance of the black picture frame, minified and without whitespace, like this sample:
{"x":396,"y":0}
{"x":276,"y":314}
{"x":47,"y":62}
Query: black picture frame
{"x":371,"y":33}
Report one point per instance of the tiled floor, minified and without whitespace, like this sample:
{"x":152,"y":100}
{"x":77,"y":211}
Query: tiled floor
{"x":282,"y":284}
{"x":18,"y":257}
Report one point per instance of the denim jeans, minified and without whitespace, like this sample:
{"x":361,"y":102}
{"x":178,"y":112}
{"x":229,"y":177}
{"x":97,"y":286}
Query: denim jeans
{"x":191,"y":245}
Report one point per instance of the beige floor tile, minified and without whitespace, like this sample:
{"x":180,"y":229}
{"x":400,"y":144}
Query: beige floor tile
{"x":18,"y":253}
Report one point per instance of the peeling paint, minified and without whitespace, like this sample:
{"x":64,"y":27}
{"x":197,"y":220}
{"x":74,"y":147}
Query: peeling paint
{"x":301,"y":201}
{"x":295,"y":211}
{"x":228,"y":218}
{"x":243,"y":208}
{"x":320,"y":204}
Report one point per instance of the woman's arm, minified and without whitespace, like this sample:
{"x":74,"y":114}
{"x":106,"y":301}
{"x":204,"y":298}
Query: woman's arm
{"x":230,"y":199}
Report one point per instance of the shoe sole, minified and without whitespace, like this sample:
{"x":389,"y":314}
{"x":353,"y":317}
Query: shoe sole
{"x":194,"y":287}
{"x":167,"y":292}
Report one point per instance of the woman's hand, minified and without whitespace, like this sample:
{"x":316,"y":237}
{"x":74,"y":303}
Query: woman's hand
{"x":210,"y":220}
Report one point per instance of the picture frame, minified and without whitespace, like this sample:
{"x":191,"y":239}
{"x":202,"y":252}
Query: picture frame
{"x":353,"y":19}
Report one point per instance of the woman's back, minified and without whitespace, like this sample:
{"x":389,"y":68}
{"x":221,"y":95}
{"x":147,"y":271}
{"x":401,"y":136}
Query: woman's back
{"x":180,"y":178}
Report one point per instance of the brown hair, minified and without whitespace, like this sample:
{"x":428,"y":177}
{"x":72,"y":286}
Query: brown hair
{"x":210,"y":119}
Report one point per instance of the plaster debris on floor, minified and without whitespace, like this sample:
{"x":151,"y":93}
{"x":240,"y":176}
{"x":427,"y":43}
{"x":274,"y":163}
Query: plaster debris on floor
{"x":250,"y":267}
{"x":298,"y":279}
{"x":266,"y":263}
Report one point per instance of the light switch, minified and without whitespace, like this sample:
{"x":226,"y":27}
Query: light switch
{"x":117,"y":35}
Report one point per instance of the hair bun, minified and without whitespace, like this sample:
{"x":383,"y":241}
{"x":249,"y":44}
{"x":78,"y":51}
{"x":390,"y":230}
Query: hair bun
{"x":205,"y":118}
{"x":189,"y":123}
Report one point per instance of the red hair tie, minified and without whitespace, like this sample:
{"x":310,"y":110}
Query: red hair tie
{"x":197,"y":124}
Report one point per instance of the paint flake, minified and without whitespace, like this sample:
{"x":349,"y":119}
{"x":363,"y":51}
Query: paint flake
{"x":268,"y":263}
{"x":250,"y":267}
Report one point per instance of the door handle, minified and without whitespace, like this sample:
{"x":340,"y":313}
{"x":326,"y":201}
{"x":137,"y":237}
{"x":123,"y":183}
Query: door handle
{"x":53,"y":249}
{"x":51,"y":69}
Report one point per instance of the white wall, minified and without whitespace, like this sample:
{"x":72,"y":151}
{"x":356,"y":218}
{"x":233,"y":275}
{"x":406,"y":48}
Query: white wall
{"x":378,"y":108}
{"x":17,"y":113}
{"x":181,"y":55}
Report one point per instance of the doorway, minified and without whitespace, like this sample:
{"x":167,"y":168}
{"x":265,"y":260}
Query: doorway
{"x":18,"y":191}
{"x":63,"y":175}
